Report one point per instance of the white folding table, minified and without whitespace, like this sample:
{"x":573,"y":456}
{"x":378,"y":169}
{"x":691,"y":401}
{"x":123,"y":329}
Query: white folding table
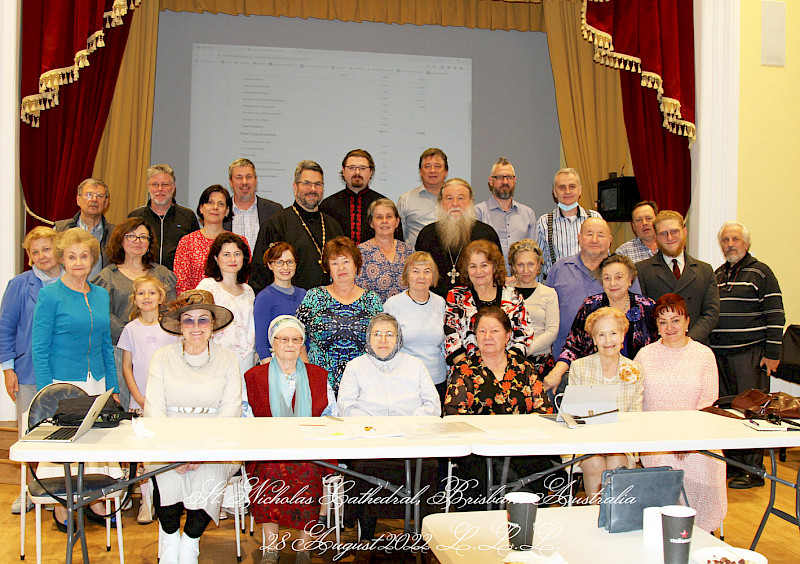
{"x":178,"y":440}
{"x":644,"y":431}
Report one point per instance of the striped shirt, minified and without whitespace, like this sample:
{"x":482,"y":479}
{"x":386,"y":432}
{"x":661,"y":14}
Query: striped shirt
{"x":751,"y":308}
{"x":565,"y":236}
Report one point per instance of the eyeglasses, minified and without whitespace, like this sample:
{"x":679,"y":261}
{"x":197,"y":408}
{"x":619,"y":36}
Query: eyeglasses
{"x":155,"y":185}
{"x":501,"y":177}
{"x":354,"y":168}
{"x":287,"y":340}
{"x":669,"y":233}
{"x":279,"y":263}
{"x":133,"y":237}
{"x":382,"y":334}
{"x":201,"y":322}
{"x":92,"y":195}
{"x":307,"y":184}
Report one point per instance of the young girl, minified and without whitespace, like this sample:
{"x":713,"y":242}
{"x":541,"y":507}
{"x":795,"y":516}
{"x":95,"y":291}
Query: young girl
{"x":139,"y":340}
{"x":143,"y":336}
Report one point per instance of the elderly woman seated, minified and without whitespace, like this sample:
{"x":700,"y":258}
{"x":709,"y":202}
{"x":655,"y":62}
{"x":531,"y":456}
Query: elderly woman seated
{"x":386,"y":381}
{"x":495,"y":380}
{"x":608,"y":327}
{"x":192,"y":378}
{"x":287,"y":387}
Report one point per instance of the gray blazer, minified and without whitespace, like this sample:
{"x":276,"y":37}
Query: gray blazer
{"x":697,"y":285}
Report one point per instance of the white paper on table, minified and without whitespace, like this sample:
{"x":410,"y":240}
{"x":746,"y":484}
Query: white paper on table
{"x":442,"y":430}
{"x":336,"y":432}
{"x":375,"y":430}
{"x":347,"y":431}
{"x":762,"y":425}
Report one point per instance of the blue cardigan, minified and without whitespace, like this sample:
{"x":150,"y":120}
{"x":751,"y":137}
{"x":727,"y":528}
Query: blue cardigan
{"x":68,"y":341}
{"x":269,"y":304}
{"x":16,"y":323}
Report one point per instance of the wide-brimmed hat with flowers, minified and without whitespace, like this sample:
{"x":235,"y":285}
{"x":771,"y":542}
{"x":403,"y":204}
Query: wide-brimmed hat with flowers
{"x":194,"y":299}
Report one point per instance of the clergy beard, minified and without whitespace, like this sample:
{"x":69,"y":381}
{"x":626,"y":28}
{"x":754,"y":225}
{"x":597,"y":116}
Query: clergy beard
{"x":455,"y":232}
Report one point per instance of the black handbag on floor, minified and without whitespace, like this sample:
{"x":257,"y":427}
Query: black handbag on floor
{"x":72,"y":411}
{"x":628,"y":491}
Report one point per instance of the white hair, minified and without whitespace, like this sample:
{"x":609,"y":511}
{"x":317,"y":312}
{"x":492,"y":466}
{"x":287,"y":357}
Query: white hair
{"x":727,"y":224}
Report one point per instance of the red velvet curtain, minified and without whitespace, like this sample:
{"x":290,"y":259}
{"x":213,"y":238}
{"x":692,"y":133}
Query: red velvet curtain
{"x":652,"y":43}
{"x":58,"y":154}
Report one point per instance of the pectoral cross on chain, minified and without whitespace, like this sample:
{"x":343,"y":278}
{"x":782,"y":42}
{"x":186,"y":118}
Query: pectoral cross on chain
{"x":453,"y":274}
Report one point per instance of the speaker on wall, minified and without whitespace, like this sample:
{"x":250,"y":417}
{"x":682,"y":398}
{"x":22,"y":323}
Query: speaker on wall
{"x":616,"y":197}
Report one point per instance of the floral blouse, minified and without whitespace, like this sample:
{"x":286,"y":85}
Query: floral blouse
{"x":459,"y":330}
{"x":642,"y":330}
{"x":475,"y":390}
{"x":378,"y":273}
{"x":336,"y":332}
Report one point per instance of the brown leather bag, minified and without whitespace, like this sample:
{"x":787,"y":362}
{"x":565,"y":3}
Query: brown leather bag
{"x":755,"y":403}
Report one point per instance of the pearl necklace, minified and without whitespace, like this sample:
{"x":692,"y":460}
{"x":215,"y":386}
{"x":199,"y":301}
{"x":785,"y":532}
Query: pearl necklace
{"x":192,"y":366}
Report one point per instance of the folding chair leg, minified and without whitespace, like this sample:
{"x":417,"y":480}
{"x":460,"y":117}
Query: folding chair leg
{"x":38,"y":533}
{"x":448,"y":489}
{"x":108,"y":525}
{"x":236,"y":516}
{"x":23,"y":492}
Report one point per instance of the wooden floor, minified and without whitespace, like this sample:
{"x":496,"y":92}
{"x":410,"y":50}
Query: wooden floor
{"x":780,"y":542}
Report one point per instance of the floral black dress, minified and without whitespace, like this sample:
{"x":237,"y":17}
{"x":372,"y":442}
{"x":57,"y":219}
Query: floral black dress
{"x":641,"y":330}
{"x":475,"y":390}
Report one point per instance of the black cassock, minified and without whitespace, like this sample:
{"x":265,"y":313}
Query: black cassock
{"x":287,"y":226}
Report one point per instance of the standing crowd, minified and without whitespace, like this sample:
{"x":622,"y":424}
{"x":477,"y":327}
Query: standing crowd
{"x":356,"y":305}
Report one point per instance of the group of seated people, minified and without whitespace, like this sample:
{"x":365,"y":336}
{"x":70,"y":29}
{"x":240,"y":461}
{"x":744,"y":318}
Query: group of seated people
{"x":193,"y":339}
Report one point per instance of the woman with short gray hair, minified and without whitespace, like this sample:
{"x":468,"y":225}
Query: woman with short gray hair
{"x":541,"y":302}
{"x":385,"y":381}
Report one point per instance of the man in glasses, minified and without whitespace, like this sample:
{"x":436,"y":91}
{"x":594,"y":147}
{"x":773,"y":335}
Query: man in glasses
{"x":93,"y":199}
{"x":349,"y":206}
{"x":166,"y":218}
{"x":302,"y":225}
{"x":249,"y":210}
{"x":672,"y":270}
{"x":747,"y":340}
{"x":512,"y":221}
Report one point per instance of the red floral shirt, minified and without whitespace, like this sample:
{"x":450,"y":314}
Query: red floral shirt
{"x":475,"y":390}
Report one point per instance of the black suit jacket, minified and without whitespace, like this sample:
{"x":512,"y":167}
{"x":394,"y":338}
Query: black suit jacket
{"x":697,"y":285}
{"x":266,"y":208}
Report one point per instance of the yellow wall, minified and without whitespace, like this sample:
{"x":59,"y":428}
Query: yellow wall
{"x":769,"y":151}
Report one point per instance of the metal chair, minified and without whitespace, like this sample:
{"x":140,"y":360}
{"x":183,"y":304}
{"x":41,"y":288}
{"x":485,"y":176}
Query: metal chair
{"x":240,"y":502}
{"x":44,"y":406}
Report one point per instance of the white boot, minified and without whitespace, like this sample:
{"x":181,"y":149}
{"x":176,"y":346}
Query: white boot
{"x":169,"y":547}
{"x":189,"y":550}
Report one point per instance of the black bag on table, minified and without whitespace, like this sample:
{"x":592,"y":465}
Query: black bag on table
{"x":72,"y":411}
